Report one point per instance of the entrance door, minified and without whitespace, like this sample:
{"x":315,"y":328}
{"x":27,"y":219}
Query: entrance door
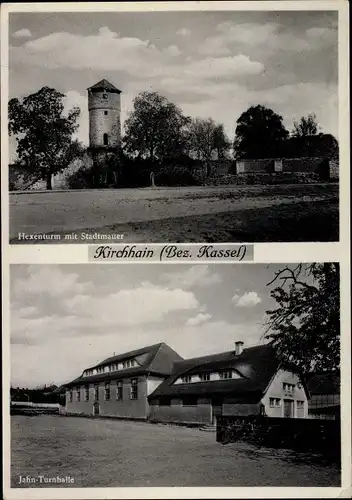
{"x":288,"y":408}
{"x":96,"y":409}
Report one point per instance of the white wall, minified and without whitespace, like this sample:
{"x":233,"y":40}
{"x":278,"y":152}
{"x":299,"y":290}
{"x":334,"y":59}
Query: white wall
{"x":153,"y":383}
{"x":275,"y":390}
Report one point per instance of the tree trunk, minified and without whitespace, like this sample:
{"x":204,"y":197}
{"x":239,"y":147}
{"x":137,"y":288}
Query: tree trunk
{"x":49,"y":176}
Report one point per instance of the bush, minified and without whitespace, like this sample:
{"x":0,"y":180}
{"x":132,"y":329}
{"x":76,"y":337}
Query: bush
{"x":175,"y":175}
{"x":82,"y":179}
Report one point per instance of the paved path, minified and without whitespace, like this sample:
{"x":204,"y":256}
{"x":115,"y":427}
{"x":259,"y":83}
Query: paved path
{"x":66,"y":211}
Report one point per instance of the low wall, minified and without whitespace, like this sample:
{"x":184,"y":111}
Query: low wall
{"x":262,"y":179}
{"x":324,"y":167}
{"x":300,"y":434}
{"x":29,"y":408}
{"x":177,"y":413}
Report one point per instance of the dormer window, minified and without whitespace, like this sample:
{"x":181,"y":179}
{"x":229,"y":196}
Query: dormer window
{"x":129,"y":364}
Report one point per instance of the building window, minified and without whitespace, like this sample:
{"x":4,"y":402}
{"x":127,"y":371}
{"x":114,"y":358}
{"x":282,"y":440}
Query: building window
{"x":78,"y":394}
{"x":107,"y":391}
{"x":288,"y":388}
{"x":274,"y":402}
{"x":134,"y":388}
{"x":186,"y":379}
{"x":96,"y":392}
{"x":70,"y":395}
{"x":105,"y":113}
{"x":204,"y":377}
{"x":189,"y":401}
{"x":86,"y":393}
{"x":300,"y":405}
{"x":105,"y":140}
{"x":129,"y":364}
{"x":225,"y":375}
{"x":105,"y":95}
{"x":119,"y":390}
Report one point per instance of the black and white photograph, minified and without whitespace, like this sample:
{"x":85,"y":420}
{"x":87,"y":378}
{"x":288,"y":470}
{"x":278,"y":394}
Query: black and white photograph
{"x":174,"y":126}
{"x":175,"y":375}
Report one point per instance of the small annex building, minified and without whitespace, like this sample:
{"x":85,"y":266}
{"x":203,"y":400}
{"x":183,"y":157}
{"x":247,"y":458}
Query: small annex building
{"x":324,"y":390}
{"x":119,"y":386}
{"x":241,"y":382}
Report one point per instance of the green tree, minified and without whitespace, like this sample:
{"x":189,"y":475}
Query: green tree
{"x":260,"y":133}
{"x":305,"y":326}
{"x":306,"y":127}
{"x":44,"y":133}
{"x":155,"y":129}
{"x":206,"y":138}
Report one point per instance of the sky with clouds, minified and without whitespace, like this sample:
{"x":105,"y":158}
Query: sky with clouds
{"x":65,"y":318}
{"x":209,"y":63}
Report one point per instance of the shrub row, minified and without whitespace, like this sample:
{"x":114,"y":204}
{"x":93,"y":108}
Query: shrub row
{"x":318,"y":436}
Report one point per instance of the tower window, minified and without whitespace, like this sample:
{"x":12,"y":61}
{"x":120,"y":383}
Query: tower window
{"x":105,"y":113}
{"x":105,"y":139}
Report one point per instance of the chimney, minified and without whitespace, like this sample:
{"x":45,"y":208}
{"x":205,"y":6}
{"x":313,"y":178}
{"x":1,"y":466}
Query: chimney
{"x":239,"y":347}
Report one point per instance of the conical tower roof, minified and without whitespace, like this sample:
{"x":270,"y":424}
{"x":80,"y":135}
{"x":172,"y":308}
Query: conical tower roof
{"x":104,"y":85}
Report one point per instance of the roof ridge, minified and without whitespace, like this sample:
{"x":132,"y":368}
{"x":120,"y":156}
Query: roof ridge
{"x":232,"y":351}
{"x":131,"y":351}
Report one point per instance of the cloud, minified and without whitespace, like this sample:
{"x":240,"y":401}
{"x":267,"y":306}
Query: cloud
{"x":249,"y":299}
{"x":25,"y":312}
{"x":225,"y":66}
{"x":68,"y":307}
{"x":230,"y":33}
{"x":24,"y":33}
{"x":199,"y":319}
{"x":129,"y":307}
{"x":183,"y":32}
{"x":172,"y":51}
{"x":196,"y":276}
{"x":50,"y":280}
{"x":270,"y":35}
{"x":104,"y":51}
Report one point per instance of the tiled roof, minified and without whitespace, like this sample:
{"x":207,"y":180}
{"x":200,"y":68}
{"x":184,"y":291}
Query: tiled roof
{"x":105,"y":85}
{"x":157,"y":359}
{"x":257,"y":366}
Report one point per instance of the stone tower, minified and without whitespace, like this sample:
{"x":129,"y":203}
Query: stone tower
{"x":104,"y":106}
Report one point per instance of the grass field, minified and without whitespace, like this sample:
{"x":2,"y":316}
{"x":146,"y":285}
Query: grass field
{"x":101,"y":453}
{"x":300,"y":212}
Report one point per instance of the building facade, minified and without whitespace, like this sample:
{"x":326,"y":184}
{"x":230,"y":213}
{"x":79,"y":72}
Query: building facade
{"x":156,"y":384}
{"x":242,"y":382}
{"x":119,"y":386}
{"x":104,"y":106}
